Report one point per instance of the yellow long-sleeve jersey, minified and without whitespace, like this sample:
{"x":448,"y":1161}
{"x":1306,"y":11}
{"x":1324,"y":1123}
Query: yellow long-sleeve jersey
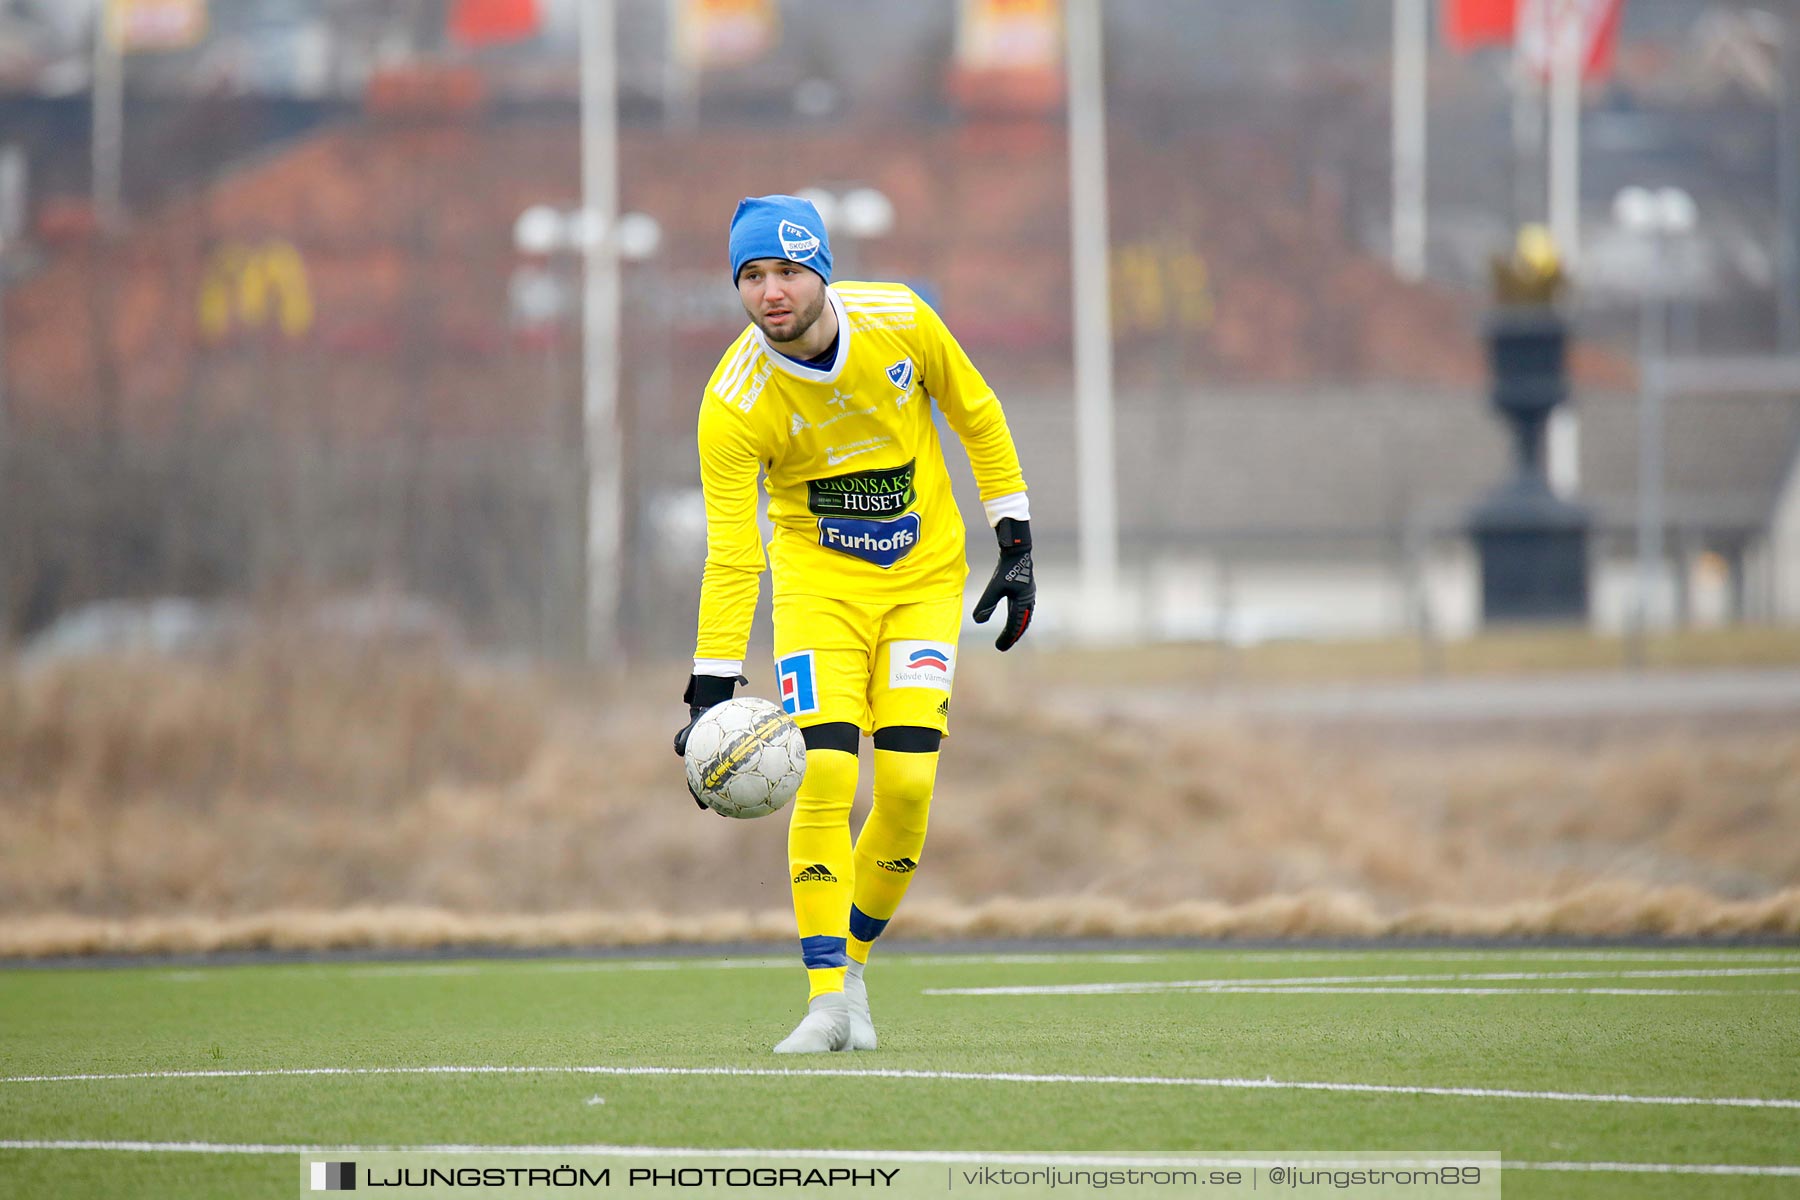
{"x":859,"y":496}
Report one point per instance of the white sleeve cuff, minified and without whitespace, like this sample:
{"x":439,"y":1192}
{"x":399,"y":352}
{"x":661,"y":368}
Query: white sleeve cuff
{"x":1017,"y":506}
{"x":729,"y":668}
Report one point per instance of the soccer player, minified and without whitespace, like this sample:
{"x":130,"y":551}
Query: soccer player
{"x":828,"y":393}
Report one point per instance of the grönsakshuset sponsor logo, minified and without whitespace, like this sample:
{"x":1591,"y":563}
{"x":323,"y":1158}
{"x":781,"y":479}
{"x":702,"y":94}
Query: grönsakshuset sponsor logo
{"x":876,"y":494}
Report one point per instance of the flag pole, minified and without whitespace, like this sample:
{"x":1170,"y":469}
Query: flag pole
{"x":1567,"y":41}
{"x":1527,"y":136}
{"x":1408,"y":105}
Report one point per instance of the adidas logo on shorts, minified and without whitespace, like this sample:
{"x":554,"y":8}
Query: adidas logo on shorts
{"x":817,"y":873}
{"x":899,"y":866}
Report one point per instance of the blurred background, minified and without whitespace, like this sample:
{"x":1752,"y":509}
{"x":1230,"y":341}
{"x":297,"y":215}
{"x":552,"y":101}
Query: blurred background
{"x":1399,"y":572}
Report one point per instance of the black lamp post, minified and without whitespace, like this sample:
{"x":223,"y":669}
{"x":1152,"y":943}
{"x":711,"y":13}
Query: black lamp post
{"x":1532,"y":543}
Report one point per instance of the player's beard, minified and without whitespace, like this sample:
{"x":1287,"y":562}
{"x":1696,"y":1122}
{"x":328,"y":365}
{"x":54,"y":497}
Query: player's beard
{"x":803,"y":320}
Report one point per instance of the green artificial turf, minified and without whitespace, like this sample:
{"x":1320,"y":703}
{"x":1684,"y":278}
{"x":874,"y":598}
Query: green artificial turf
{"x":1738,"y":1040}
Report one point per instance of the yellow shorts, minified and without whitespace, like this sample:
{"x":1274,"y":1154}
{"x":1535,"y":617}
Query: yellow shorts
{"x":873,"y":665}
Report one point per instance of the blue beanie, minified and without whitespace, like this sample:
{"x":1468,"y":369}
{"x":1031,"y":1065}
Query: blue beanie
{"x":779,"y":227}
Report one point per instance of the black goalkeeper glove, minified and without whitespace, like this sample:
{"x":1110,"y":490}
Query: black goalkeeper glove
{"x":1012,"y":580}
{"x":703,"y":691}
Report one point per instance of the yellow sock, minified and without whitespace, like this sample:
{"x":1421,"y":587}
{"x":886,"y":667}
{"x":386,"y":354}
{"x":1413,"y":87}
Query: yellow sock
{"x":887,"y":851}
{"x":820,"y":863}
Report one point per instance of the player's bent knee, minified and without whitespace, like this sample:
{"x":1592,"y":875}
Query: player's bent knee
{"x":905,"y":773}
{"x":908,"y":739}
{"x":833,"y":735}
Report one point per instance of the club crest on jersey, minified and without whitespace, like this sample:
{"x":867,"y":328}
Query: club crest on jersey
{"x":797,"y":241}
{"x":921,"y":664}
{"x":794,"y":683}
{"x":883,"y":543}
{"x":901,"y":375}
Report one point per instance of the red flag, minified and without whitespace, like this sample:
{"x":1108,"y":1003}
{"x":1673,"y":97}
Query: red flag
{"x":135,"y":25}
{"x":488,"y":22}
{"x":726,"y":33}
{"x":1599,"y":61}
{"x":1597,"y":21}
{"x":1472,"y":23}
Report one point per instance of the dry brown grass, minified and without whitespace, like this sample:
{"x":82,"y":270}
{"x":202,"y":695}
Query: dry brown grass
{"x":1600,"y":910}
{"x":303,"y":797}
{"x":1494,"y":653}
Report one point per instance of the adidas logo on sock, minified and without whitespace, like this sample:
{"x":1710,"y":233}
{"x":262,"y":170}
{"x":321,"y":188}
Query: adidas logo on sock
{"x":899,"y":866}
{"x":817,"y":873}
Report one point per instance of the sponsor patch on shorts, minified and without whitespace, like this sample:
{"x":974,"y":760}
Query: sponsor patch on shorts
{"x":796,"y":683}
{"x":921,"y":665}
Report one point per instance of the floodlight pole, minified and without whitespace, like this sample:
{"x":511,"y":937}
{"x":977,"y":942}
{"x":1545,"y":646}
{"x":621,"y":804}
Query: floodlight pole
{"x":107,"y":131}
{"x":1097,"y":496}
{"x":6,"y":515}
{"x":1408,"y":115}
{"x":600,"y":327}
{"x":1787,"y":166}
{"x":13,"y":203}
{"x":1657,"y":216}
{"x":1653,"y":324}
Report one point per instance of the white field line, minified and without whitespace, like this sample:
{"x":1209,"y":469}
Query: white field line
{"x":1486,"y":991}
{"x":1621,"y":954}
{"x":585,"y":966}
{"x":438,"y":969}
{"x":1268,"y":1084}
{"x":953,"y":1157}
{"x":1657,"y":1168}
{"x":1178,"y":985}
{"x":786,"y":963}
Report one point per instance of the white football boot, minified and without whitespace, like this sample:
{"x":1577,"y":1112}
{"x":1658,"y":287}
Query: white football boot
{"x":825,"y":1027}
{"x":856,"y":994}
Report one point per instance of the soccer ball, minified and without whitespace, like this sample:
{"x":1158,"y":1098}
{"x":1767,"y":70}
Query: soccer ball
{"x":745,"y":757}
